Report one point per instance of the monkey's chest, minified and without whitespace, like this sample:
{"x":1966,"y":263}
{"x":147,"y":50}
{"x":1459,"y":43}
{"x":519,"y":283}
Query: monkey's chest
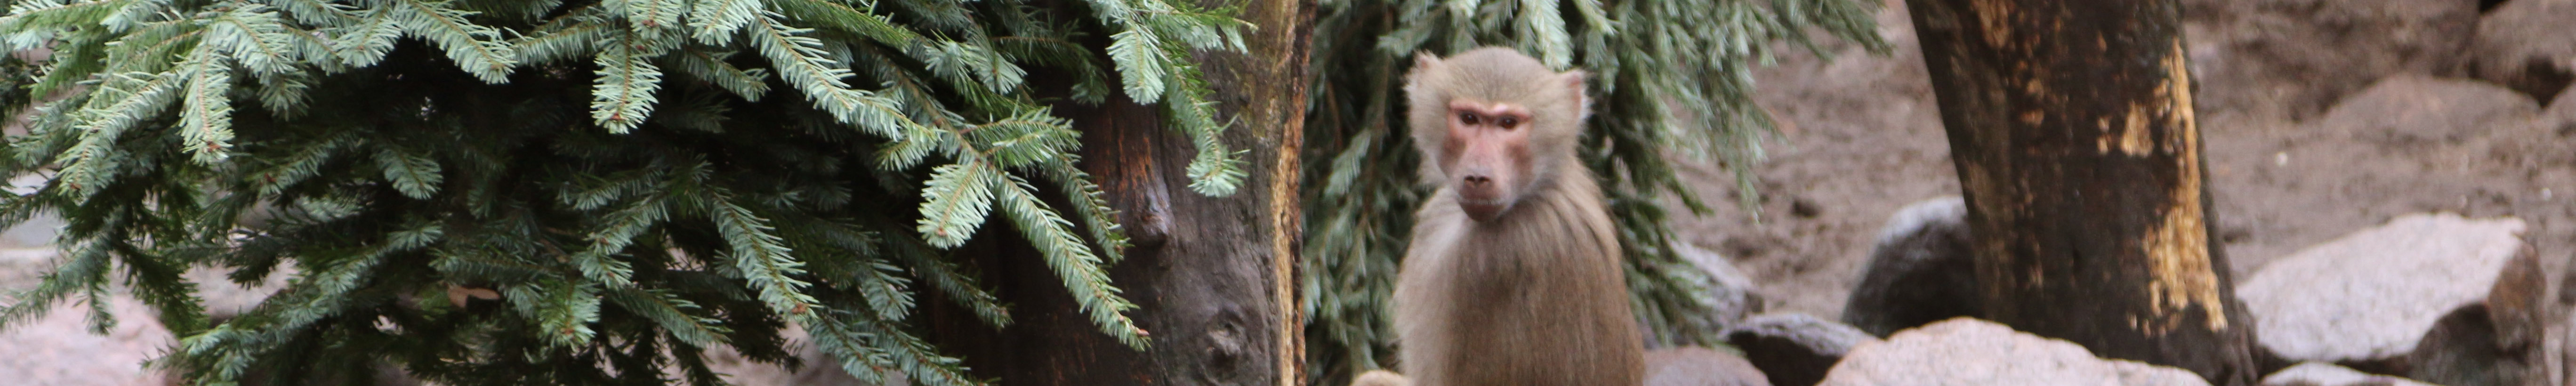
{"x":1542,"y":327}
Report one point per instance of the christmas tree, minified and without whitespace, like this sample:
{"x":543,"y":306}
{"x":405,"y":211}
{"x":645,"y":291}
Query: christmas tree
{"x":578,"y":192}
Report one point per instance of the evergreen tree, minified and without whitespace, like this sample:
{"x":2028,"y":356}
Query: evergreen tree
{"x":1647,"y":57}
{"x":627,"y":178}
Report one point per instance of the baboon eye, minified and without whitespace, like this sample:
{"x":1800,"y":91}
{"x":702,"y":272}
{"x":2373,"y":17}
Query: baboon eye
{"x":1467,"y":118}
{"x":1508,"y":122}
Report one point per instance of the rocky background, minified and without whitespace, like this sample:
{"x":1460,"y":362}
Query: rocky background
{"x":2393,"y":181}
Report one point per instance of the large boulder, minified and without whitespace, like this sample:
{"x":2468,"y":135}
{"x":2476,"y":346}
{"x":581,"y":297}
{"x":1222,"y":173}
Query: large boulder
{"x":2325,"y":374}
{"x":1967,"y":351}
{"x":2527,"y":45}
{"x":2295,"y":57}
{"x":1921,"y":271}
{"x":1697,"y":366}
{"x":1795,"y":349}
{"x":2436,"y":297}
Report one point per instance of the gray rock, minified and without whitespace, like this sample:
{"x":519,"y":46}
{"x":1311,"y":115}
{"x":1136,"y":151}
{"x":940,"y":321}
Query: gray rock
{"x":2559,"y":350}
{"x":2560,"y":116}
{"x":1697,"y":366}
{"x":820,"y":368}
{"x":2297,"y":57}
{"x":1795,"y":349}
{"x":2407,"y":110}
{"x":58,"y":348}
{"x":1922,"y":270}
{"x":1730,"y":292}
{"x":224,"y":299}
{"x":2518,"y":305}
{"x":2462,"y":350}
{"x":38,"y":231}
{"x":1967,"y":351}
{"x":2423,"y":295}
{"x":2324,"y":374}
{"x":1380,"y":378}
{"x":2527,"y":45}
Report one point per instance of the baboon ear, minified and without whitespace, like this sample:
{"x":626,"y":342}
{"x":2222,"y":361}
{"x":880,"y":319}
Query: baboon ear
{"x":1574,"y":87}
{"x":1423,"y":62}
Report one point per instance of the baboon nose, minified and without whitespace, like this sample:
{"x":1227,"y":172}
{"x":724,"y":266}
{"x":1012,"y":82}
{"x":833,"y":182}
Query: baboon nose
{"x":1478,"y":180}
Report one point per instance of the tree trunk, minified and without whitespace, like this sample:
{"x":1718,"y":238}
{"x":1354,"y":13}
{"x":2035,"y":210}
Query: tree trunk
{"x":1213,"y":277}
{"x":2071,"y":126}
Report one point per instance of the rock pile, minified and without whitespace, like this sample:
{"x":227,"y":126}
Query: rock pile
{"x":1975,"y":352}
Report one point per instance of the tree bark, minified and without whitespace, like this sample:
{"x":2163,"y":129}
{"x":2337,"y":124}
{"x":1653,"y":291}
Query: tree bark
{"x":2071,"y":126}
{"x":1213,"y":277}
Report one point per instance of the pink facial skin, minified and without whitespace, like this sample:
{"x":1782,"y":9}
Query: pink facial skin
{"x":1489,"y":155}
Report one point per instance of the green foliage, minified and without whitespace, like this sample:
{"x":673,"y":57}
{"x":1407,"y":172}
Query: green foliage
{"x":1647,"y":58}
{"x":630,"y":177}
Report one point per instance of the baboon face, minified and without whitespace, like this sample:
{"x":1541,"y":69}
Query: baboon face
{"x":1487,"y":154}
{"x":1492,"y":123}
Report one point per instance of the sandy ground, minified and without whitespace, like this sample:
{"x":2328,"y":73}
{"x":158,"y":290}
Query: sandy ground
{"x":1867,"y":139}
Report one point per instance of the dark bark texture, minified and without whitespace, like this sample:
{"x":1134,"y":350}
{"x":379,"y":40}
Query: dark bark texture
{"x":1211,"y":276}
{"x":2071,"y":126}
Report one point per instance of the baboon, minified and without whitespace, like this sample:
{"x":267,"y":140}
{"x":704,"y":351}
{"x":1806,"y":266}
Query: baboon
{"x":1513,"y":276}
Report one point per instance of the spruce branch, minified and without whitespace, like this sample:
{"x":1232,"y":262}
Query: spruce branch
{"x":714,"y":22}
{"x":476,"y":48}
{"x":1075,"y":264}
{"x":254,"y":36}
{"x":955,"y":201}
{"x":622,"y":95}
{"x":801,"y":61}
{"x":205,"y":119}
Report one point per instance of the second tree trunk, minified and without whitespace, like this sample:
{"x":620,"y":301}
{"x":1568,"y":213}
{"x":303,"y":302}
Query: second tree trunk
{"x":2071,"y":126}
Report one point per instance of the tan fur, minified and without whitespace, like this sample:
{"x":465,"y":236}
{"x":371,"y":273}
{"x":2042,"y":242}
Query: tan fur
{"x":1537,"y":295}
{"x":1380,"y":378}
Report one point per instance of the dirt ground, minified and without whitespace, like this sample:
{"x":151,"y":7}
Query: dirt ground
{"x":1863,"y":137}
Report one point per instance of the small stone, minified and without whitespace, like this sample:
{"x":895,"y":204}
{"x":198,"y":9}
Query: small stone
{"x":1967,"y":351}
{"x":1804,"y":208}
{"x":1922,"y":270}
{"x":1795,"y":349}
{"x":2323,"y":374}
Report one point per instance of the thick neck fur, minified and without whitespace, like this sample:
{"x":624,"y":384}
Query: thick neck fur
{"x":1559,"y":212}
{"x":1535,"y":297}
